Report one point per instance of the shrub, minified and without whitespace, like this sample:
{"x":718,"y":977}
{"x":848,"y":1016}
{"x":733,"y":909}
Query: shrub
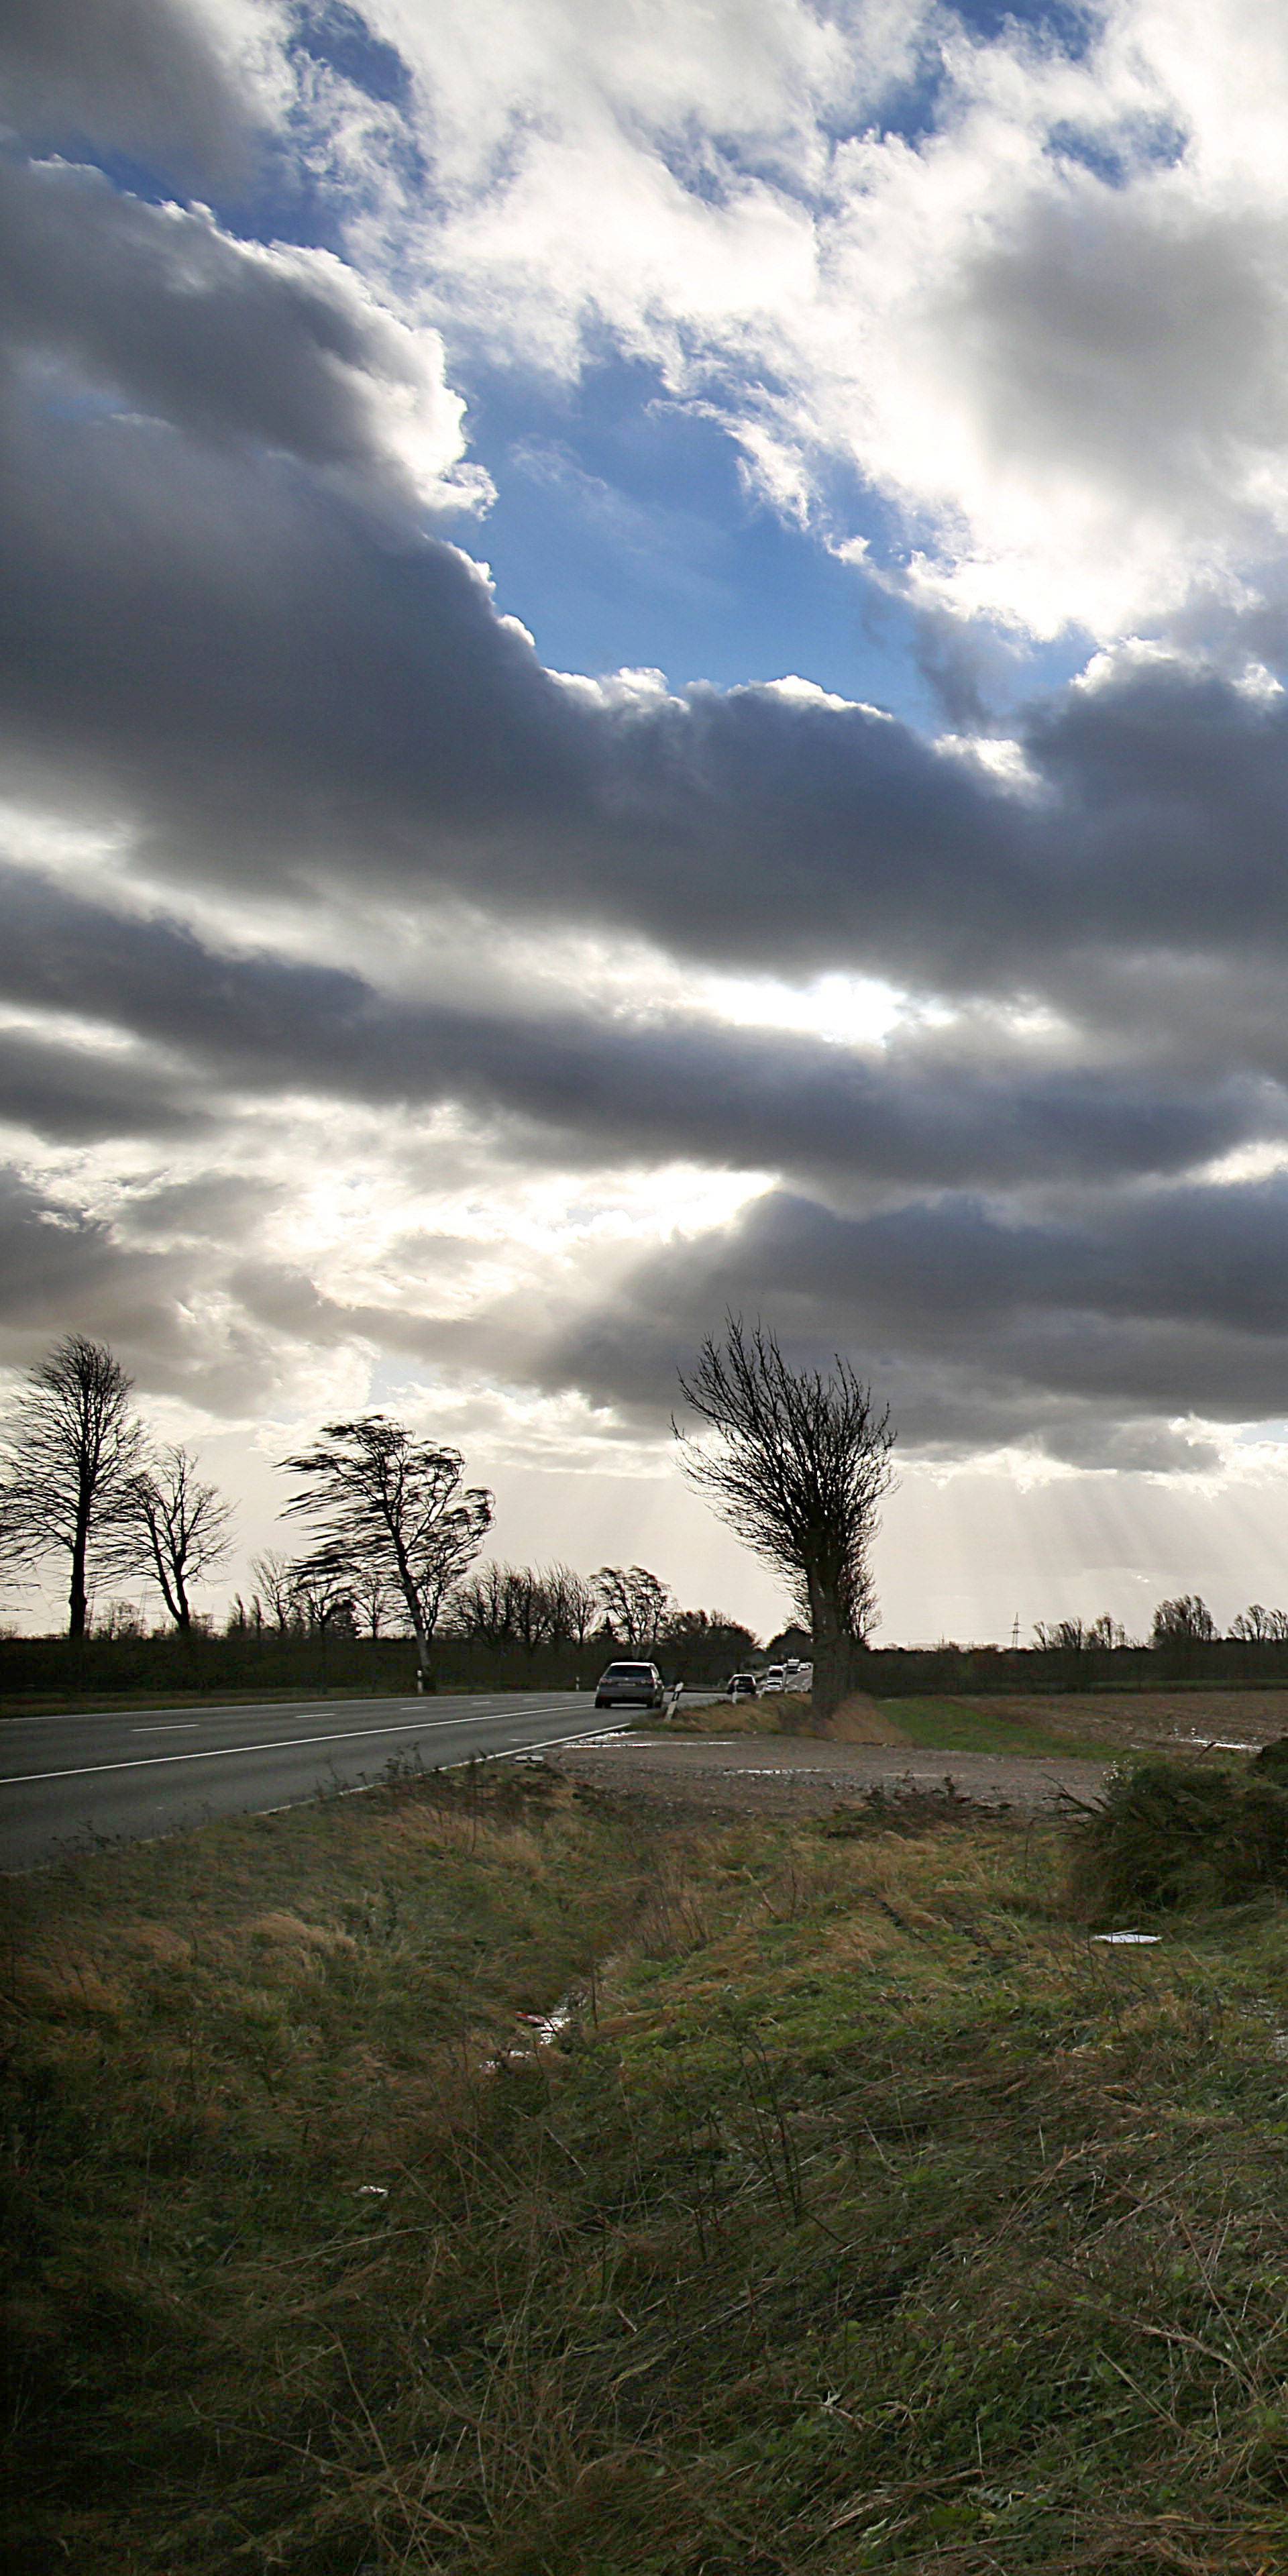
{"x":1272,"y":1760}
{"x":1169,"y":1834}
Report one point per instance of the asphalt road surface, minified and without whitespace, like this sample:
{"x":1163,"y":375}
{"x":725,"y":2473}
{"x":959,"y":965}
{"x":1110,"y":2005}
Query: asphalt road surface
{"x":67,"y":1781}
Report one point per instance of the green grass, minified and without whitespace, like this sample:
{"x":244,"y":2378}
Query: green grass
{"x":869,"y":2215}
{"x":967,"y":1726}
{"x":937,"y":1725}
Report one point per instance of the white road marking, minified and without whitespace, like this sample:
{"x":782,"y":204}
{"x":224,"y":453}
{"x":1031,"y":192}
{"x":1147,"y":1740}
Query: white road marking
{"x":171,"y":1726}
{"x":223,"y":1709}
{"x":506,"y":1753}
{"x":271,"y":1744}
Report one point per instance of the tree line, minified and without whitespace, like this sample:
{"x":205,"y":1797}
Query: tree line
{"x":796,"y":1460}
{"x":392,"y":1532}
{"x":1184,"y":1620}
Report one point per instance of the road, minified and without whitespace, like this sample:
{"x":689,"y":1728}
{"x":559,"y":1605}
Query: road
{"x":65,"y":1781}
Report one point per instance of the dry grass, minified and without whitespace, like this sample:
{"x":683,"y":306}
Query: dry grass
{"x":867,"y":2216}
{"x":859,"y":1719}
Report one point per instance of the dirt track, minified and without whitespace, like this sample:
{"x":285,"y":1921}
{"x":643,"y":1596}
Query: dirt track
{"x":792,"y":1775}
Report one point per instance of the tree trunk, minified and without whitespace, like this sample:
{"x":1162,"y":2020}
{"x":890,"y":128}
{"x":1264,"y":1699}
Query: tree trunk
{"x":78,"y":1603}
{"x":832,"y":1648}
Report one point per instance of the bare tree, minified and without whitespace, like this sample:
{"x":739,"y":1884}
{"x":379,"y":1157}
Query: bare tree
{"x":15,"y":1554}
{"x":275,"y":1593}
{"x":533,"y":1607}
{"x":379,"y":1499}
{"x":181,"y":1528}
{"x":1066,"y":1637}
{"x":1257,"y":1626}
{"x":1186,"y":1621}
{"x":574,"y":1604}
{"x":374,"y":1600}
{"x":70,"y":1452}
{"x":482,"y":1607}
{"x":323,"y":1596}
{"x":634,"y":1602}
{"x":1106,"y":1631}
{"x":799,"y":1470}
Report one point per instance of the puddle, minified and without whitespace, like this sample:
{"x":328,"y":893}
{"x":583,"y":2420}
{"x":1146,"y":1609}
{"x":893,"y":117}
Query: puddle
{"x":544,"y":2028}
{"x":1218,"y":1743}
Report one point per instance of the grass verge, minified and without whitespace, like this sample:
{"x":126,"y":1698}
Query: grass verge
{"x":867,"y":2216}
{"x":932,"y":1725}
{"x":971,"y":1726}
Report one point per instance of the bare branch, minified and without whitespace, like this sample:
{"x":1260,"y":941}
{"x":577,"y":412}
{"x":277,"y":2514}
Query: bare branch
{"x":381,"y":1501}
{"x":69,"y":1454}
{"x":799,"y":1468}
{"x":181,"y":1527}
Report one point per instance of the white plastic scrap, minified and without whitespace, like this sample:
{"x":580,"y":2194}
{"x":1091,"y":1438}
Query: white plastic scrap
{"x":1144,"y":1937}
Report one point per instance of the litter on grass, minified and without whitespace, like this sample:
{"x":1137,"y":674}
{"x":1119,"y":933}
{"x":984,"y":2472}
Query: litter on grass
{"x":1145,"y":1937}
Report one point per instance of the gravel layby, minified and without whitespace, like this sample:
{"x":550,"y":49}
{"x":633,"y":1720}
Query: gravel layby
{"x":794,"y":1775}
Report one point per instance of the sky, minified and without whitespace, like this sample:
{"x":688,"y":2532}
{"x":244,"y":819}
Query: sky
{"x":642,"y":662}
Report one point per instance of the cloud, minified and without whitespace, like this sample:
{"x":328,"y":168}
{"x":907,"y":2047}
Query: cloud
{"x":1032,"y":300}
{"x":1028,"y":288}
{"x":1021,"y":1250}
{"x":156,"y":78}
{"x":1087,"y":1338}
{"x":937,"y":1109}
{"x":296,"y":695}
{"x":225,"y":340}
{"x":83,"y":1094}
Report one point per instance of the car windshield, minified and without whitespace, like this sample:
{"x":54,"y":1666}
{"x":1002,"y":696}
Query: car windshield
{"x":632,"y":1672}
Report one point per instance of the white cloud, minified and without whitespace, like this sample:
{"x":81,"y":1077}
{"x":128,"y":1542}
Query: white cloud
{"x":1051,"y":328}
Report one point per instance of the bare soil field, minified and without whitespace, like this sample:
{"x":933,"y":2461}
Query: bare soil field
{"x":1029,"y":1755}
{"x":1146,"y":1720}
{"x":791,"y":1775}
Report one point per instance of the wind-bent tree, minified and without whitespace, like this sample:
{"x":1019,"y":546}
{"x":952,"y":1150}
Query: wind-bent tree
{"x":634,"y":1602}
{"x":798,"y":1469}
{"x":381,"y":1501}
{"x":1186,"y":1621}
{"x":181,"y":1527}
{"x":323,"y":1594}
{"x":71,"y":1451}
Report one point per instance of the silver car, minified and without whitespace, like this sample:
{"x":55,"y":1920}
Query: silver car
{"x":634,"y":1685}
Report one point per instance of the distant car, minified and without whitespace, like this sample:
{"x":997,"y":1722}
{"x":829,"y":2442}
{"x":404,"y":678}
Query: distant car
{"x":774,"y":1680}
{"x":742,"y":1686}
{"x":633,"y":1685}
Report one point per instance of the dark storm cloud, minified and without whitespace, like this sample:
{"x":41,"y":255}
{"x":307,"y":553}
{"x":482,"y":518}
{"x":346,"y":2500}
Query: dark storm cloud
{"x":164,"y":1312}
{"x":225,"y":340}
{"x":136,"y":76}
{"x":272,"y":688}
{"x":77,"y":1095}
{"x":226,"y":637}
{"x":981,"y":1328}
{"x":59,"y":1264}
{"x":657,"y":1087}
